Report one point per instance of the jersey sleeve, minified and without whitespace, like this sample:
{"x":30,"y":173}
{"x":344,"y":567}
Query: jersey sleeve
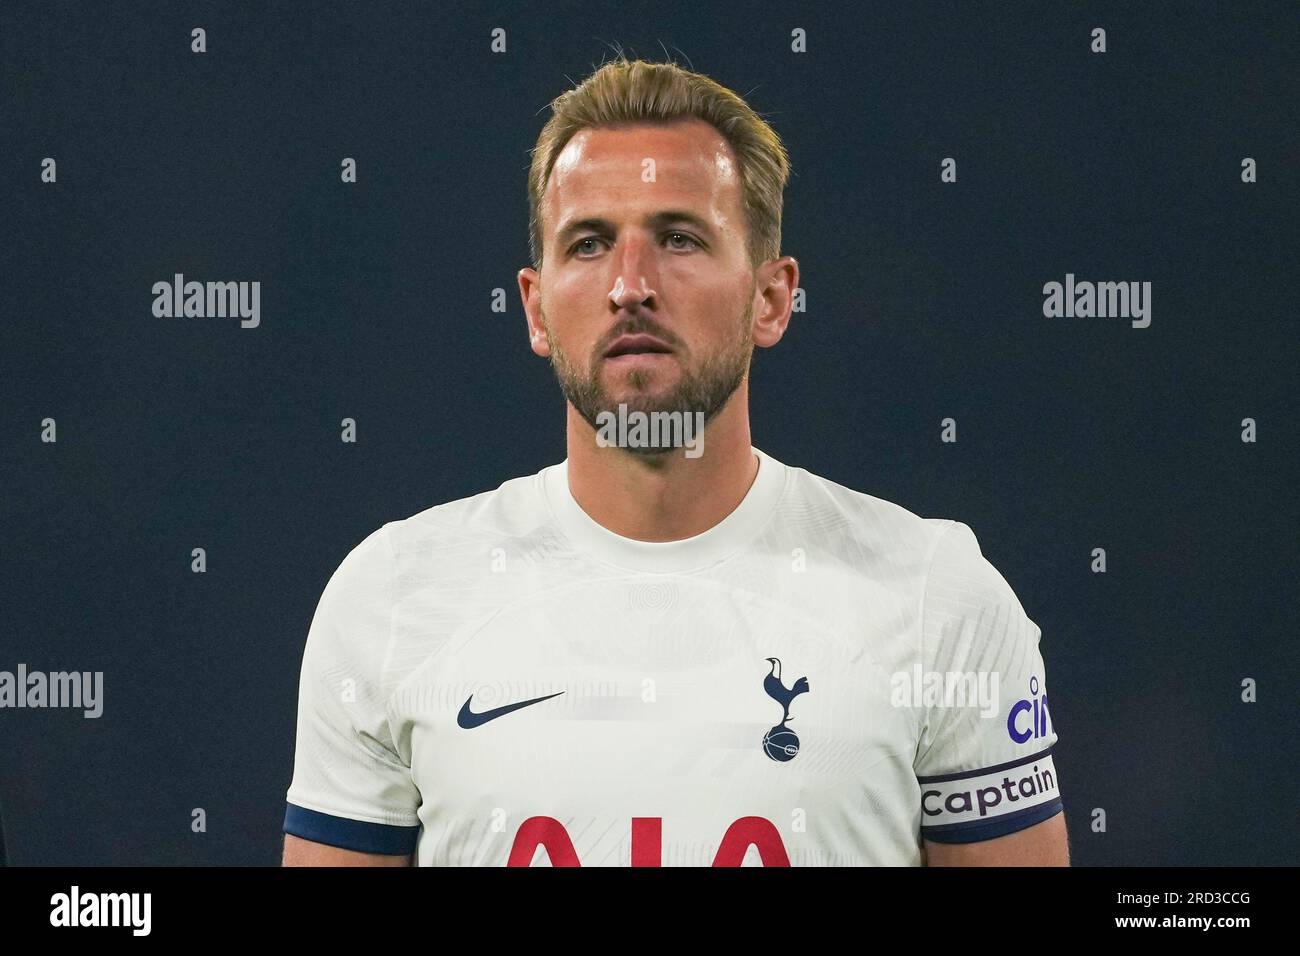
{"x":350,"y":786}
{"x":984,"y":759}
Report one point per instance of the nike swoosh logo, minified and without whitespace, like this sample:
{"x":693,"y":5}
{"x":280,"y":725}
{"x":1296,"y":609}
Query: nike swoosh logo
{"x":468,"y":719}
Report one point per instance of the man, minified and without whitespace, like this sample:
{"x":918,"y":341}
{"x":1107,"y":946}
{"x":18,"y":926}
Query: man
{"x":669,"y":649}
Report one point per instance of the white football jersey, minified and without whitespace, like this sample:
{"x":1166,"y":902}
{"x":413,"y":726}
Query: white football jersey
{"x":823,"y":678}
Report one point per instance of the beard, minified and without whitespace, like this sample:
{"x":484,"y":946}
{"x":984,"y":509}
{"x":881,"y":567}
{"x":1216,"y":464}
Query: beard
{"x":706,"y":388}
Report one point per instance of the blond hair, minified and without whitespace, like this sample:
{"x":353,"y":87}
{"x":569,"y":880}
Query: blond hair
{"x":637,"y":91}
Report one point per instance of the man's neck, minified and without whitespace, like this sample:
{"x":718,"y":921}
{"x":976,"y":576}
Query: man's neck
{"x":664,"y":497}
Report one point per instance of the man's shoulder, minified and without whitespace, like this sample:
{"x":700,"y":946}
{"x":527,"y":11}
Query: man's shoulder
{"x":513,"y":509}
{"x":834,"y":509}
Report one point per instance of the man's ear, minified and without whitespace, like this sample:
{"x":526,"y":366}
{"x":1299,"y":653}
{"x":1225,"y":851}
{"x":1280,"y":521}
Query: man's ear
{"x":530,"y":292}
{"x":777,"y":281}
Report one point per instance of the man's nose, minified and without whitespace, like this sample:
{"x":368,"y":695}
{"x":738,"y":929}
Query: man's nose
{"x":634,"y":278}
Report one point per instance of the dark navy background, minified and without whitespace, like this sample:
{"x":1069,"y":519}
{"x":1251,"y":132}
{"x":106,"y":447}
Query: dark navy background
{"x":924,"y":301}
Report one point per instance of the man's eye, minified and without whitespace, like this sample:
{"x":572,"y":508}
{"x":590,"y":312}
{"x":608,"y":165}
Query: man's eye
{"x":577,"y":246}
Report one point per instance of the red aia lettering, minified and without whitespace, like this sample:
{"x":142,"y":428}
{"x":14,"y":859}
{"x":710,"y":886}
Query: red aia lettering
{"x":547,"y":832}
{"x":647,"y":842}
{"x":752,"y":830}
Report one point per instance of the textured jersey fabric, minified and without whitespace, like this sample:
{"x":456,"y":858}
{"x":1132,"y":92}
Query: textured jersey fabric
{"x":823,"y":678}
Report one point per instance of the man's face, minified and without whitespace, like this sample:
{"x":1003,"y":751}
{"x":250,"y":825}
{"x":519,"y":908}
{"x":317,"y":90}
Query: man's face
{"x":645,"y":235}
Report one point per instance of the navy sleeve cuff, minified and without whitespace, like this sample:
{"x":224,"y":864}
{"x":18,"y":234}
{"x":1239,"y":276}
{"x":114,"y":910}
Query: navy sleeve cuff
{"x":349,"y":834}
{"x":965,"y":833}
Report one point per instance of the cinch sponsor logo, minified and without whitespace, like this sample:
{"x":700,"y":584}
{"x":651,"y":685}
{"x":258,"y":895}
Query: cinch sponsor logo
{"x":1028,"y":718}
{"x":989,"y":793}
{"x":647,"y":842}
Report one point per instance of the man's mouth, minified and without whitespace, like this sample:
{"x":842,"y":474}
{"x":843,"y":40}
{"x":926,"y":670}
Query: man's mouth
{"x":637,"y":345}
